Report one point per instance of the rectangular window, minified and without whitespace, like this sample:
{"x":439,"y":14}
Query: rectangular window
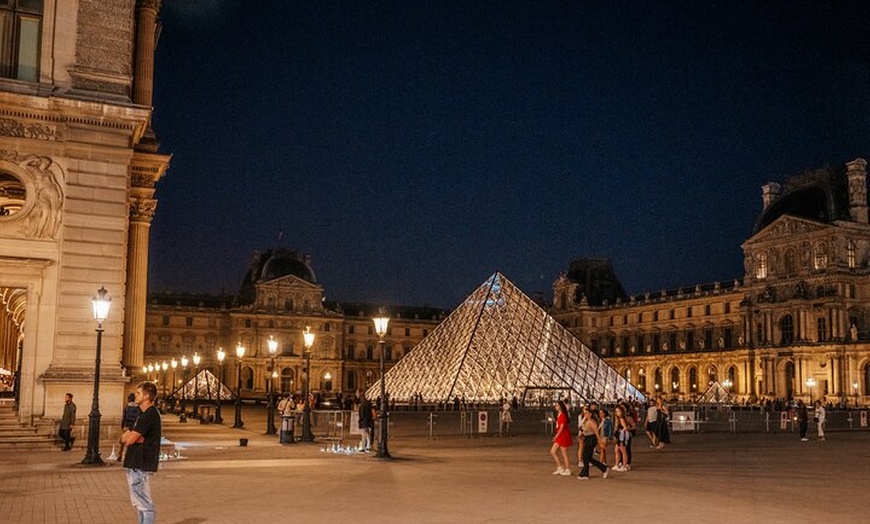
{"x":407,"y":332}
{"x":611,"y":345}
{"x":726,"y":338}
{"x":247,"y":322}
{"x":657,"y":342}
{"x":690,"y":340}
{"x":655,"y":316}
{"x":708,"y":339}
{"x":727,"y":307}
{"x":673,"y":341}
{"x":625,"y":320}
{"x":672,"y":314}
{"x":594,"y":345}
{"x":625,"y":343}
{"x":707,"y":310}
{"x":350,"y":329}
{"x":689,"y":312}
{"x":165,"y":320}
{"x":188,"y":321}
{"x":821,"y":330}
{"x":20,"y":35}
{"x":640,"y":317}
{"x":611,"y":321}
{"x":425,"y":333}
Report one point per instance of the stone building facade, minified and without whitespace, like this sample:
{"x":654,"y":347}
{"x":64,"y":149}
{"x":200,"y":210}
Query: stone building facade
{"x":279,"y":298}
{"x":78,"y":166}
{"x":794,"y":325}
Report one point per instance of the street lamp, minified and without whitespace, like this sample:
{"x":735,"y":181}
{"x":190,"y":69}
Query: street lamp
{"x":184,"y":362}
{"x":727,"y":385}
{"x":101,"y":311}
{"x":308,"y":337}
{"x":270,"y":406}
{"x":811,"y":382}
{"x":221,"y":355}
{"x":196,"y":360}
{"x":173,"y":364}
{"x":240,"y":352}
{"x":381,"y":323}
{"x":164,"y":366}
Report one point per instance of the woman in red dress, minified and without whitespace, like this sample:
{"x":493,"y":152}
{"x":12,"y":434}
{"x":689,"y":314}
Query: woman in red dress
{"x":562,"y":439}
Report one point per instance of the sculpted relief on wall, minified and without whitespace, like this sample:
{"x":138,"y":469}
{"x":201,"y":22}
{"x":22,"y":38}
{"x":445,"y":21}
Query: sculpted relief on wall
{"x":39,"y":216}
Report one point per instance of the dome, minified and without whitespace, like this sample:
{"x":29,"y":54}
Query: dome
{"x":282,"y":264}
{"x":820,"y":196}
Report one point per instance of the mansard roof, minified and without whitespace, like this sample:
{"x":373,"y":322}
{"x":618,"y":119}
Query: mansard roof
{"x":821,"y":196}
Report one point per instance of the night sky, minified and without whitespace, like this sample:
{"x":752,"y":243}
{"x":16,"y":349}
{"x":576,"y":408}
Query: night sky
{"x":415,"y":147}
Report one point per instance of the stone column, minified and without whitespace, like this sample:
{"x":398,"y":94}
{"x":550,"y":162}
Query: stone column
{"x":146,"y":42}
{"x":146,"y":170}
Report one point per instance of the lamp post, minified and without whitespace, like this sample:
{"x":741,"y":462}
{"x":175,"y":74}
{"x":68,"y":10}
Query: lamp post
{"x":240,"y":352}
{"x":184,"y":362}
{"x":164,"y":366}
{"x":381,"y":323}
{"x":101,"y":311}
{"x":196,"y":360}
{"x":270,"y":406}
{"x":308,"y":337}
{"x":221,"y":355}
{"x":727,"y":384}
{"x":173,"y":364}
{"x":811,"y":382}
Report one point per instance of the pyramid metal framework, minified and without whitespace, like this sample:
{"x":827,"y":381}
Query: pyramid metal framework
{"x":500,"y":344}
{"x":205,"y":386}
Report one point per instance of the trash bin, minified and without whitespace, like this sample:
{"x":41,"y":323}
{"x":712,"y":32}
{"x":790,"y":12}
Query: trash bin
{"x":288,"y":428}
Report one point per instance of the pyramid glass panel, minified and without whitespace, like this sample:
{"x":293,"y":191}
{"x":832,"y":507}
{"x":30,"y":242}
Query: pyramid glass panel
{"x":500,"y":344}
{"x":204,"y":386}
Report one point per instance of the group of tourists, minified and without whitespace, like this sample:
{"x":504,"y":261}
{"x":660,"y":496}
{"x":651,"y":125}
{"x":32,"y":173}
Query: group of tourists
{"x":801,"y":415}
{"x":600,"y":431}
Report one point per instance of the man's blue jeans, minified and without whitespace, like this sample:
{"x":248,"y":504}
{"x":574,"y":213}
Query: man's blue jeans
{"x":140,"y":494}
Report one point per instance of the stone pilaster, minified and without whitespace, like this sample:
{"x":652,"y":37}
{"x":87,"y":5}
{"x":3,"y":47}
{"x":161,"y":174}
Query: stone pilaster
{"x":856,"y":173}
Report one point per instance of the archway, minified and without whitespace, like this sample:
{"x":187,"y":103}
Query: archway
{"x":13,"y":304}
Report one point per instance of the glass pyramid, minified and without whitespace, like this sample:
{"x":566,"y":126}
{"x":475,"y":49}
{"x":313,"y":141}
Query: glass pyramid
{"x":205,"y":386}
{"x":500,"y":344}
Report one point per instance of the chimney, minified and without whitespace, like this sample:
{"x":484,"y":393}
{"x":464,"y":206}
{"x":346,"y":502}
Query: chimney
{"x":856,"y":176}
{"x":770,"y":192}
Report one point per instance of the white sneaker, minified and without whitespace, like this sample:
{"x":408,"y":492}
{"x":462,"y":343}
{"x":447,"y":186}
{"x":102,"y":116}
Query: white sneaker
{"x":566,"y":472}
{"x":626,"y":468}
{"x":582,"y":478}
{"x":805,"y":439}
{"x":606,"y":472}
{"x":559,"y":471}
{"x":618,"y":467}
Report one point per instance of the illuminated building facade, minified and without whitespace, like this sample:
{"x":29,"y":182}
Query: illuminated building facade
{"x":794,"y":325}
{"x":78,"y":166}
{"x":279,"y":298}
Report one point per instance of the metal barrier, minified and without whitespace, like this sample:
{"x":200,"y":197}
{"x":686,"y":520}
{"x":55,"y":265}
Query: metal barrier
{"x":432,"y":417}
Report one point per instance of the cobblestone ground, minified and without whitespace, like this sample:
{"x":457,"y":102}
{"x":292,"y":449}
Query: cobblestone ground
{"x":754,"y":478}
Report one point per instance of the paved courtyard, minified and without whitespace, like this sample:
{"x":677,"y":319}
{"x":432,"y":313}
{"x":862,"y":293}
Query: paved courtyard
{"x":748,"y":478}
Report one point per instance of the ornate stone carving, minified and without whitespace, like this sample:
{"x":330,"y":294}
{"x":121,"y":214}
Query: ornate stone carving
{"x":14,"y":128}
{"x":40,"y":217}
{"x":142,"y":209}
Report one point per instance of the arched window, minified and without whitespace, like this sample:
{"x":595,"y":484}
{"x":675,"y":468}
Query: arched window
{"x":326,"y":381}
{"x":786,"y":327}
{"x":761,"y":266}
{"x":693,"y":379}
{"x":675,"y":379}
{"x":658,"y":380}
{"x":732,"y":376}
{"x":789,"y":379}
{"x":851,"y":255}
{"x":247,"y":378}
{"x":287,"y":380}
{"x":350,"y":380}
{"x":820,"y":256}
{"x":712,"y":375}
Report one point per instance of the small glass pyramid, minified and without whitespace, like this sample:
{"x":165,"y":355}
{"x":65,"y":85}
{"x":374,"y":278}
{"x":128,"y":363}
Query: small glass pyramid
{"x":499,"y":344}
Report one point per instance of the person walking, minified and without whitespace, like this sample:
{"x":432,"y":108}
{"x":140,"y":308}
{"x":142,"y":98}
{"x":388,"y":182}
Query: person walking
{"x":819,"y":418}
{"x":651,"y":423}
{"x":623,"y":439}
{"x":505,"y":419}
{"x":143,"y":451}
{"x":67,"y":421}
{"x":802,"y":415}
{"x":606,"y":437}
{"x":589,"y":437}
{"x":131,"y":413}
{"x":366,"y":425}
{"x":561,"y":439}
